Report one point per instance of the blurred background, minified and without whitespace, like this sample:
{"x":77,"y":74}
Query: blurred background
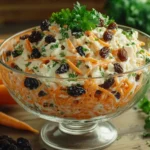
{"x":16,"y":15}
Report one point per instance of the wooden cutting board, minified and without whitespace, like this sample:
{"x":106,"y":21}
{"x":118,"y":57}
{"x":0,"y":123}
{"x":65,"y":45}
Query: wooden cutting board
{"x":129,"y":126}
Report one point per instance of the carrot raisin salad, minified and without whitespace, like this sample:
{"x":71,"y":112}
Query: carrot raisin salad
{"x":79,"y":50}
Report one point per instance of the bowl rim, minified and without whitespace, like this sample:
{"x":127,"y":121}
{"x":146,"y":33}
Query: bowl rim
{"x":49,"y":77}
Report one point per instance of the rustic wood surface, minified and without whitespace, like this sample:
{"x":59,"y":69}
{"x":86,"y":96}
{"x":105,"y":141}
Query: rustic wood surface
{"x":27,"y":10}
{"x":129,"y":126}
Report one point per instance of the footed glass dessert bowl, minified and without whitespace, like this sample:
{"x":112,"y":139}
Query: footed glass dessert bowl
{"x":82,"y":108}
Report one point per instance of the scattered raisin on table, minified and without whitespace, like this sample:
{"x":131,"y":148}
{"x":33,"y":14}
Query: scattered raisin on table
{"x":44,"y":25}
{"x":112,"y":26}
{"x":35,"y":36}
{"x":63,"y":68}
{"x":24,"y":37}
{"x":50,"y":39}
{"x":80,"y":50}
{"x":118,"y":68}
{"x":31,"y":83}
{"x":104,"y":52}
{"x":108,"y":35}
{"x":116,"y":94}
{"x":35,"y":53}
{"x":108,"y":83}
{"x":122,"y":54}
{"x":42,"y":93}
{"x":75,"y":90}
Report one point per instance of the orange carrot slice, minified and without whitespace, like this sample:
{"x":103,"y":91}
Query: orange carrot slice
{"x":74,"y":67}
{"x":15,"y":123}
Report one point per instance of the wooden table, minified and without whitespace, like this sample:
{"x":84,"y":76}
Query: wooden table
{"x":129,"y":126}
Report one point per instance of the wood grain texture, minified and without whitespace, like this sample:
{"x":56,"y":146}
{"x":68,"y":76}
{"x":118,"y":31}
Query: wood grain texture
{"x":22,"y":11}
{"x":129,"y":126}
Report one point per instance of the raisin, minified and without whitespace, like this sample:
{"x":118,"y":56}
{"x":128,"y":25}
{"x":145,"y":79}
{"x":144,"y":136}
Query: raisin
{"x":98,"y":93}
{"x":122,"y":54}
{"x":8,"y":53}
{"x":116,"y":94}
{"x":22,"y":142}
{"x":104,"y":52}
{"x":2,"y":137}
{"x":80,"y":50}
{"x":137,"y":77}
{"x":4,"y":144}
{"x":101,"y":23}
{"x":35,"y":36}
{"x":75,"y":90}
{"x":108,"y":83}
{"x":35,"y":53}
{"x":112,"y":26}
{"x":63,"y":68}
{"x":46,"y":61}
{"x":44,"y":25}
{"x":62,"y":47}
{"x":42,"y":93}
{"x":31,"y":83}
{"x":50,"y":39}
{"x":24,"y":37}
{"x":107,"y":36}
{"x":12,"y":147}
{"x":118,"y":68}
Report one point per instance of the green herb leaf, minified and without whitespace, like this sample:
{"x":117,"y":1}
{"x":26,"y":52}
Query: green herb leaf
{"x":62,"y":54}
{"x":54,"y":46}
{"x":72,"y":75}
{"x":79,"y":63}
{"x":27,"y":64}
{"x":144,"y":105}
{"x":79,"y":18}
{"x":64,"y":33}
{"x":54,"y":63}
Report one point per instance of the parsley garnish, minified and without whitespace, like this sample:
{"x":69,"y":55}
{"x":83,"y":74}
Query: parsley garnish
{"x":79,"y":18}
{"x":85,"y":49}
{"x":36,"y":68}
{"x":72,"y":75}
{"x":54,"y":46}
{"x":27,"y":64}
{"x":63,"y":61}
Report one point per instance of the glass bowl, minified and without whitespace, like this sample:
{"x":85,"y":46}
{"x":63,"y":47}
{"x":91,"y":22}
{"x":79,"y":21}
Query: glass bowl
{"x":83,"y":120}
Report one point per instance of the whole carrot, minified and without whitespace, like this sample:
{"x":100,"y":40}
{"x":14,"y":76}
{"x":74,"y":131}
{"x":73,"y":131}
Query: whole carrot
{"x":15,"y":123}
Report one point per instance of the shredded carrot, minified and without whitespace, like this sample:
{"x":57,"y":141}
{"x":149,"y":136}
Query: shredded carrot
{"x":71,"y":47}
{"x":14,"y":123}
{"x":74,"y":67}
{"x":55,"y":28}
{"x":28,"y":45}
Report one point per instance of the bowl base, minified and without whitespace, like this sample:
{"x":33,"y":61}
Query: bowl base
{"x":96,"y":136}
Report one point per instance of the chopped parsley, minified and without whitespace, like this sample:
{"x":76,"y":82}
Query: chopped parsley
{"x":79,"y":18}
{"x":85,"y":49}
{"x":43,"y":50}
{"x":79,"y":62}
{"x":54,"y":63}
{"x":27,"y":64}
{"x":128,"y":33}
{"x":62,"y":54}
{"x":36,"y":68}
{"x":54,"y":46}
{"x":147,"y":60}
{"x":72,"y":75}
{"x":140,"y":52}
{"x":63,"y":61}
{"x":64,"y":33}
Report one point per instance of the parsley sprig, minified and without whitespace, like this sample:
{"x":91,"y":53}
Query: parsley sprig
{"x":79,"y":18}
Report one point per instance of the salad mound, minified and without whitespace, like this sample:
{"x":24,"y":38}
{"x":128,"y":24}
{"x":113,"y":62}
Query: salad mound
{"x":80,"y":51}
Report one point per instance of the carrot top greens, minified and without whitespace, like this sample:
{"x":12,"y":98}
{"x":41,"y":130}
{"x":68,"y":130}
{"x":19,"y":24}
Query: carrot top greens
{"x":79,"y":18}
